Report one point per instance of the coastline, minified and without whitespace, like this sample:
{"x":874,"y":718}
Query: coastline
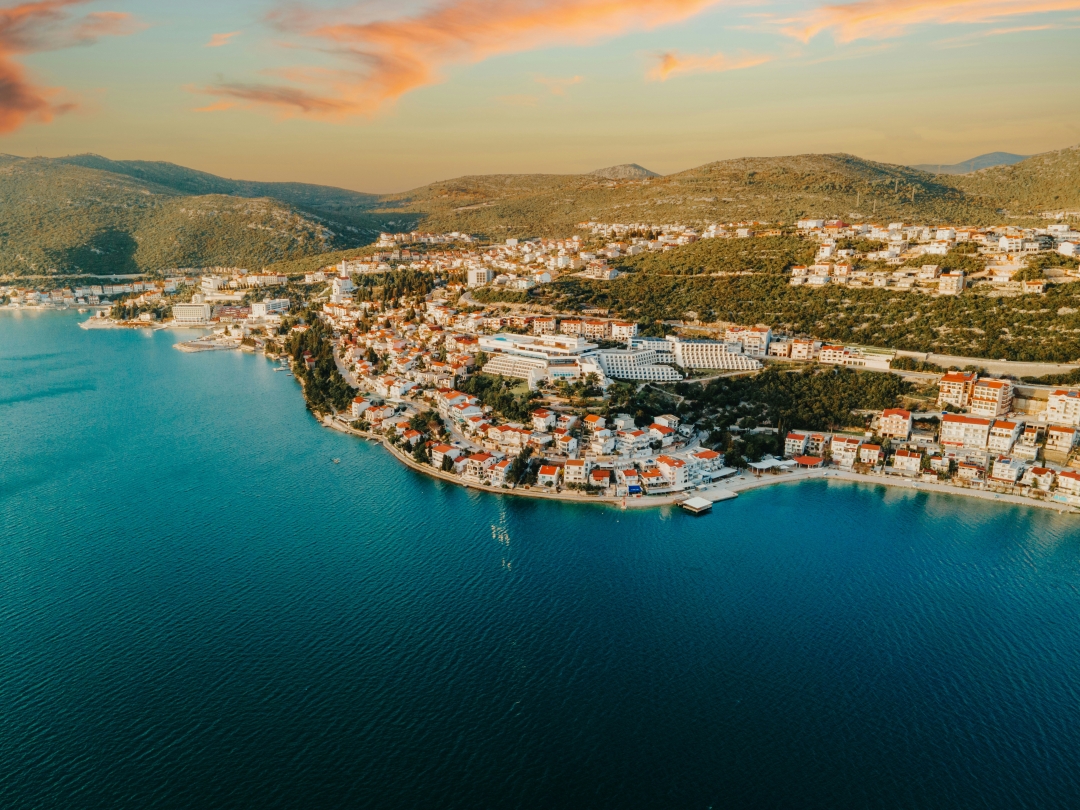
{"x":724,"y":490}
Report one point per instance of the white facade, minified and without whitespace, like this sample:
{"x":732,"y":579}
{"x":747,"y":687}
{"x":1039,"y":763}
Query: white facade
{"x":964,"y":431}
{"x":479,"y":276}
{"x":1063,"y":408}
{"x":191,"y":314}
{"x":711,"y":354}
{"x":635,"y":364}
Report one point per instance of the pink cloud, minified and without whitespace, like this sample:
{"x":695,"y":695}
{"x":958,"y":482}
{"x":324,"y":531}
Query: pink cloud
{"x":886,"y":18}
{"x":390,"y":57}
{"x":218,"y":40}
{"x":46,"y":25}
{"x":674,"y":64}
{"x":557,"y":87}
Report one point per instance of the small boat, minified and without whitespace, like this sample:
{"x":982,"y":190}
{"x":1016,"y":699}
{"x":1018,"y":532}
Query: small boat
{"x":337,"y":460}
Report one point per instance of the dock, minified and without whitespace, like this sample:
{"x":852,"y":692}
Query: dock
{"x":697,"y":506}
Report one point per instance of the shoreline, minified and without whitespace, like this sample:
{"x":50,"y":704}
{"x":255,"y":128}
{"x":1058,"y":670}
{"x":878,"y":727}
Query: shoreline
{"x":720,"y":491}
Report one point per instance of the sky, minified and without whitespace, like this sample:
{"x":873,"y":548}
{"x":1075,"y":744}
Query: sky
{"x":388,"y":95}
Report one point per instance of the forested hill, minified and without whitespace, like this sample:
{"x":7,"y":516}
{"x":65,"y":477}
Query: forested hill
{"x":56,"y":217}
{"x":90,"y":214}
{"x":774,"y":189}
{"x":339,"y":203}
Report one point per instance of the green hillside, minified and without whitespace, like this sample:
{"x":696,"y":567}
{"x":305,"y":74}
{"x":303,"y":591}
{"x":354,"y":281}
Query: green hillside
{"x":90,"y":214}
{"x":56,"y":217}
{"x":780,"y":189}
{"x":1046,"y":182}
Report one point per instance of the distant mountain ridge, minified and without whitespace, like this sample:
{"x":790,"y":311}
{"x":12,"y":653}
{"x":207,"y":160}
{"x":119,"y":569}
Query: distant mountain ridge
{"x":987,"y":161}
{"x":624,"y":171}
{"x":87,"y":213}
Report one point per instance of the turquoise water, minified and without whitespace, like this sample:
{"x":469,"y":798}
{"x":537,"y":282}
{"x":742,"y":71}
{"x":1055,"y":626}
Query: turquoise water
{"x":199,"y":609}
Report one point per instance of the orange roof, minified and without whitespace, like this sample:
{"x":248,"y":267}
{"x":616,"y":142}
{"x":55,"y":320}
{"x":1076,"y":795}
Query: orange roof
{"x":958,"y":377}
{"x":548,"y":469}
{"x":964,"y":420}
{"x":896,"y":412}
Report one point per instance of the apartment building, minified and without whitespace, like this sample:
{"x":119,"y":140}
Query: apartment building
{"x":795,"y":445}
{"x":1003,"y":436}
{"x":845,"y":451}
{"x":991,"y":398}
{"x":955,"y":388}
{"x":895,"y":423}
{"x":969,"y":432}
{"x":1063,"y":408}
{"x":907,"y":461}
{"x":711,"y":354}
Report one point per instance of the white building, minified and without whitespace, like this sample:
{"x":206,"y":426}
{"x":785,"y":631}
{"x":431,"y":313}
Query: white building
{"x":269,"y":306}
{"x":710,"y":354}
{"x":969,"y":432}
{"x":479,"y":276}
{"x":635,"y":364}
{"x":191,"y":314}
{"x":895,"y":423}
{"x":1063,"y":408}
{"x":951,"y":283}
{"x":991,"y":398}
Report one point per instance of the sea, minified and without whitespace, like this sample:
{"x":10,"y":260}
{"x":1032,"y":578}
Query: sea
{"x":199,"y":608}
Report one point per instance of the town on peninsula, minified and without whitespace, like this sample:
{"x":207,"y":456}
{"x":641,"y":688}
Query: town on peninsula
{"x":443,"y":347}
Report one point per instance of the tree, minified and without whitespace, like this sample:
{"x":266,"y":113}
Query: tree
{"x":447,"y":463}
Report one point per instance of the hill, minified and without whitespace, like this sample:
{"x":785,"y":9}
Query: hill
{"x":624,"y":171}
{"x":339,"y":203}
{"x":987,"y":161}
{"x":58,"y":217}
{"x":1046,"y":182}
{"x":778,"y":189}
{"x":90,"y":214}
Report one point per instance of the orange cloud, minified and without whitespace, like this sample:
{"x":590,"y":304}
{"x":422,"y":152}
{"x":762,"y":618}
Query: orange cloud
{"x":673,"y":64}
{"x":217,"y":40}
{"x":886,"y":18}
{"x":392,"y":57}
{"x":46,"y":25}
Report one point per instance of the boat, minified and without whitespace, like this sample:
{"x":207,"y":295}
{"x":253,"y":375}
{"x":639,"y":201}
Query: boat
{"x":337,"y":460}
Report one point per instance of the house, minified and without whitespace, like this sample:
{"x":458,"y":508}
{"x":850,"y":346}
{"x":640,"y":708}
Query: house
{"x":1006,"y":470}
{"x":576,"y":471}
{"x":970,"y":432}
{"x":442,"y":451}
{"x":1060,"y":440}
{"x":1027,"y":446}
{"x":476,"y":466}
{"x":566,"y":421}
{"x":871,"y":454}
{"x":543,"y":420}
{"x":566,"y":444}
{"x":1038,"y":478}
{"x":1069,"y":482}
{"x":991,"y":398}
{"x":907,"y":461}
{"x":359,"y":405}
{"x":795,"y":444}
{"x":411,"y":437}
{"x":667,"y":420}
{"x":662,"y":434}
{"x":708,"y":460}
{"x":600,"y":478}
{"x":803,"y":349}
{"x":955,"y":388}
{"x":845,"y":451}
{"x":497,"y":475}
{"x":895,"y":423}
{"x":548,"y":476}
{"x":653,"y":481}
{"x":629,"y":479}
{"x":544,"y":326}
{"x":966,"y":471}
{"x":1003,"y":436}
{"x":594,"y":422}
{"x":1063,"y":408}
{"x":603,"y":442}
{"x":674,"y":471}
{"x":620,"y":330}
{"x":629,"y":442}
{"x":951,"y":283}
{"x":816,"y":443}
